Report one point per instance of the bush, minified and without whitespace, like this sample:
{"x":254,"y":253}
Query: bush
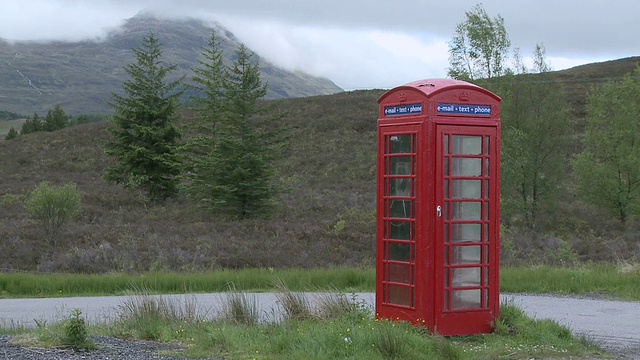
{"x":75,"y":332}
{"x":53,"y":206}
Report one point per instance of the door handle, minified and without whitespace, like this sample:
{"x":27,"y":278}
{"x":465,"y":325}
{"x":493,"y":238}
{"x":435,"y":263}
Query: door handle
{"x":439,"y":210}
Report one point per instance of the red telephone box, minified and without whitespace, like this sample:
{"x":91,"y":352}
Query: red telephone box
{"x":438,"y":206}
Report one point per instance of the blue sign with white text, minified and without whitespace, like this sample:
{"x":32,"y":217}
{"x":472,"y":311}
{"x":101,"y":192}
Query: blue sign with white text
{"x":397,"y":110}
{"x":465,"y":109}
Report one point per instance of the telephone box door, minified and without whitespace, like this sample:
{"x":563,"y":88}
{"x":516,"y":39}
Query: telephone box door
{"x":397,"y":233}
{"x":467,"y":257}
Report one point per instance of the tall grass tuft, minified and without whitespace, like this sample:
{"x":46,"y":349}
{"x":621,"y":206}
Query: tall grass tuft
{"x":295,"y":305}
{"x":239,"y":308}
{"x":150,"y":316}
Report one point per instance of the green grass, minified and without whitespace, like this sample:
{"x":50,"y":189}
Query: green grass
{"x":617,"y":281}
{"x":620,"y":281}
{"x":17,"y":285}
{"x":348,"y":334}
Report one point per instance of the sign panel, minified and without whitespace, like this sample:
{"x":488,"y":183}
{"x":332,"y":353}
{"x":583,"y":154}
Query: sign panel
{"x":397,"y":110}
{"x":463,"y":109}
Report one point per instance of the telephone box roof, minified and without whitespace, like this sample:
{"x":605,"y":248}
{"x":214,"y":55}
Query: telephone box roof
{"x":430,"y":87}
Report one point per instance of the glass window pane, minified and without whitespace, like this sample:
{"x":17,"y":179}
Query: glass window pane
{"x":446,"y":233}
{"x":486,"y":167}
{"x":446,"y":188}
{"x":446,"y":166}
{"x":400,"y":143}
{"x":446,"y":255}
{"x":399,"y":273}
{"x":400,"y":165}
{"x":466,"y":255}
{"x":466,"y":167}
{"x":465,"y":144}
{"x":466,"y":232}
{"x":400,"y":230}
{"x":486,"y":145}
{"x":400,"y":187}
{"x":464,"y":299}
{"x":465,"y":210}
{"x":446,"y":300}
{"x":399,"y":252}
{"x":400,"y":208}
{"x":466,"y":189}
{"x":465,"y":277}
{"x":399,"y":295}
{"x":446,"y":144}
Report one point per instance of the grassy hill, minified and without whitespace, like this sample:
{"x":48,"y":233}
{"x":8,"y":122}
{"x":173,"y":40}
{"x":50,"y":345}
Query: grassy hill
{"x":325,"y":218}
{"x":81,"y":76}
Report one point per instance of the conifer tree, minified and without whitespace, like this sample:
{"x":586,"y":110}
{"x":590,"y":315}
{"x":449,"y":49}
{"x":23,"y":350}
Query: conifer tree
{"x":11,"y":134}
{"x":145,"y":135}
{"x":237,"y":174}
{"x":31,"y":125}
{"x":208,"y":104}
{"x":56,"y":119}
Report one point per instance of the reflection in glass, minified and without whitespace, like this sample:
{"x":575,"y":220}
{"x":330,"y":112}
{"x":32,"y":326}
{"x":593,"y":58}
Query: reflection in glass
{"x":466,"y":189}
{"x":465,"y":144}
{"x":465,"y":277}
{"x":466,"y":255}
{"x":465,"y":210}
{"x":466,"y":232}
{"x":466,"y":167}
{"x":464,"y":299}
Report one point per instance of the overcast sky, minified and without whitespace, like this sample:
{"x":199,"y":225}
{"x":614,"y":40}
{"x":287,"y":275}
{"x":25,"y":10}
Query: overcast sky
{"x":358,"y":44}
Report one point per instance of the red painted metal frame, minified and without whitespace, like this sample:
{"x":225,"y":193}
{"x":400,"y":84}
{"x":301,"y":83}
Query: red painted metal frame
{"x":429,"y":125}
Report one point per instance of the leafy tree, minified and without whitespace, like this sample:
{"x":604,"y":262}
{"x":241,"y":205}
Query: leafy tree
{"x":56,"y":119}
{"x":53,"y":206}
{"x":480,"y":47}
{"x":11,"y":134}
{"x":31,"y":125}
{"x":145,"y":136}
{"x":237,"y":174}
{"x":608,"y":169}
{"x":535,"y":140}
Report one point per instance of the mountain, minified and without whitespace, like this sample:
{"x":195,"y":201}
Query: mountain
{"x":81,"y":76}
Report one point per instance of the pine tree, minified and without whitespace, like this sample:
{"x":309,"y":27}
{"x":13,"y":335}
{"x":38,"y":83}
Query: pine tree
{"x":145,"y":136}
{"x":237,"y":174}
{"x":208,"y":82}
{"x":56,"y":119}
{"x":31,"y":125}
{"x":11,"y":134}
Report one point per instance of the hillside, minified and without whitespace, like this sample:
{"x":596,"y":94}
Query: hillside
{"x":326,"y":216}
{"x":81,"y":76}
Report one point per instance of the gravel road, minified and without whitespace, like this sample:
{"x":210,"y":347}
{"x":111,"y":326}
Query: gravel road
{"x":614,"y":324}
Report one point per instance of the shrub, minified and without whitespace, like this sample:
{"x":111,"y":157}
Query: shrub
{"x":53,"y":206}
{"x":75,"y":332}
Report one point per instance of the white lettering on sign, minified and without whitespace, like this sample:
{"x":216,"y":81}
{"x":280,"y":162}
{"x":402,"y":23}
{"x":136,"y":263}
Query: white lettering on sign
{"x":461,"y":109}
{"x":396,"y":110}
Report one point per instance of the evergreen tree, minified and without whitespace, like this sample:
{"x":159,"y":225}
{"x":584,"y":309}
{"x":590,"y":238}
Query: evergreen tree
{"x":209,"y":108}
{"x":11,"y":134}
{"x":236,"y":174}
{"x":145,"y":136}
{"x":31,"y":125}
{"x":56,"y":119}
